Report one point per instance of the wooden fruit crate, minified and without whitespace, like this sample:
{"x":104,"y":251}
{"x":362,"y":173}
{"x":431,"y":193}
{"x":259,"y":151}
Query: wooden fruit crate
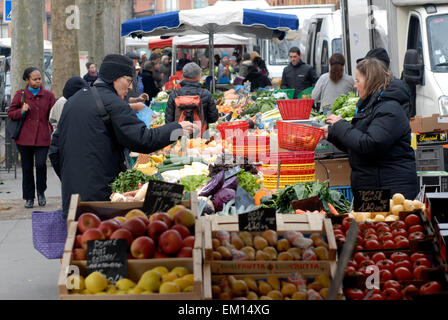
{"x":135,"y":269}
{"x":209,"y":278}
{"x":305,"y":223}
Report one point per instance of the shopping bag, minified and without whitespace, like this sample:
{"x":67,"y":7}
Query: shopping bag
{"x":49,"y":233}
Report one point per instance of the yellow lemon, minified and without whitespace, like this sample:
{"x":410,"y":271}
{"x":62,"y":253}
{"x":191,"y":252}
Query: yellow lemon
{"x":162,"y":270}
{"x":169,"y":277}
{"x":188,"y":289}
{"x":85,"y":291}
{"x":135,"y":290}
{"x":189,"y":277}
{"x":150,"y":281}
{"x":121,"y":219}
{"x":182,"y":283}
{"x":111,"y":289}
{"x":96,"y":282}
{"x":125,"y":284}
{"x":78,"y":281}
{"x":135,"y":213}
{"x":180,"y":271}
{"x":169,"y":287}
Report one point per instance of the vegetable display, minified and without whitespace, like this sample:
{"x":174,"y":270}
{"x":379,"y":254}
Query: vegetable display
{"x":129,"y":181}
{"x":162,"y":96}
{"x":192,"y":183}
{"x":345,"y":106}
{"x":248,"y":182}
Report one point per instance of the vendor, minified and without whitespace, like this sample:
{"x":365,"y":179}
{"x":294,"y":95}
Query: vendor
{"x":378,"y":141}
{"x":87,"y":147}
{"x":256,"y":79}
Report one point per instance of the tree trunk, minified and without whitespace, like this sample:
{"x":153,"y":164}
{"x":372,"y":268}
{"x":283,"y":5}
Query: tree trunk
{"x":126,"y":14}
{"x":27,"y":40}
{"x":112,"y":27}
{"x":86,"y":36}
{"x":65,"y":21}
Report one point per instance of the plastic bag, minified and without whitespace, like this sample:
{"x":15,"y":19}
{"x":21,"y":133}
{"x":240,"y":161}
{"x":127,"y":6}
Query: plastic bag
{"x":146,"y":116}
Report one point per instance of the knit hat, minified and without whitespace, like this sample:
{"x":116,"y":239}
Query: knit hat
{"x":72,"y":86}
{"x":164,"y":57}
{"x":132,"y":55}
{"x":225,"y":54}
{"x":379,"y":53}
{"x":154,"y":56}
{"x":115,"y":66}
{"x":191,"y":71}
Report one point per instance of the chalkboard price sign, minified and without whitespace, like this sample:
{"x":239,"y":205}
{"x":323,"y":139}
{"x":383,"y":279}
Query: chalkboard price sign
{"x":108,"y":257}
{"x":258,"y":220}
{"x":376,"y":200}
{"x":162,"y":196}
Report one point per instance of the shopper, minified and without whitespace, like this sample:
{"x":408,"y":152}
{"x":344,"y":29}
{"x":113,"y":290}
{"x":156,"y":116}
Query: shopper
{"x":261,"y":65}
{"x":334,"y":83}
{"x":134,"y":98}
{"x":244,"y":65}
{"x":257,"y":79}
{"x":87,"y":148}
{"x":234,"y":64}
{"x":378,"y":141}
{"x":298,"y":75}
{"x":71,"y":87}
{"x":91,"y":75}
{"x":190,"y":86}
{"x":155,"y":58}
{"x":149,"y":84}
{"x":165,"y":69}
{"x":33,"y":104}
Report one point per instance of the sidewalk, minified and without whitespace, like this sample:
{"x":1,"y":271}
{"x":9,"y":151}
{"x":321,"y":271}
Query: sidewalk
{"x":24,"y":272}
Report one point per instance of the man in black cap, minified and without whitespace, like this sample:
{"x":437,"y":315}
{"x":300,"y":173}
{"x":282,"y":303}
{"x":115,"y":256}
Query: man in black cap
{"x":87,"y":148}
{"x":379,"y":53}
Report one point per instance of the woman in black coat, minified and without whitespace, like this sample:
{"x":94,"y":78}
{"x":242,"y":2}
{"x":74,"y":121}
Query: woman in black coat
{"x":149,"y":83}
{"x":378,"y":141}
{"x":256,"y":79}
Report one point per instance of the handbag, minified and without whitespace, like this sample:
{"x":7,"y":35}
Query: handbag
{"x":49,"y":233}
{"x":13,"y":126}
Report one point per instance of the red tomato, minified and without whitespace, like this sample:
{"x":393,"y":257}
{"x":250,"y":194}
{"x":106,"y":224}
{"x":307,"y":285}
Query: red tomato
{"x":399,"y":232}
{"x":391,"y":294}
{"x":423,"y":262}
{"x":337,"y":226}
{"x":352,"y":263}
{"x":354,"y":294}
{"x":350,"y":270}
{"x":339,"y":231}
{"x":392,"y":284}
{"x":346,"y":223}
{"x":339,"y":238}
{"x":383,"y":229}
{"x":386,"y":275}
{"x":401,"y":242}
{"x":417,"y":255}
{"x":410,"y":291}
{"x":380,"y":224}
{"x":418,"y":271}
{"x":430,"y":287}
{"x":416,"y":235}
{"x":378,"y":256}
{"x":359,"y":247}
{"x":366,"y":225}
{"x":369,"y":231}
{"x":386,"y":236}
{"x":412,"y":220}
{"x":404,"y":263}
{"x":371,"y":236}
{"x":398,"y":256}
{"x":360,"y":256}
{"x":388,"y":244}
{"x":414,"y":228}
{"x":365,"y":263}
{"x":402,"y":273}
{"x":372,"y":244}
{"x":386,"y":264}
{"x":398,"y":225}
{"x":376,"y":296}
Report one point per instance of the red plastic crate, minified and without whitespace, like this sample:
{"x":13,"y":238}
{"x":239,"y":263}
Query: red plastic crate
{"x":234,"y":128}
{"x":299,"y":137}
{"x":293,"y":157}
{"x":295,"y":109}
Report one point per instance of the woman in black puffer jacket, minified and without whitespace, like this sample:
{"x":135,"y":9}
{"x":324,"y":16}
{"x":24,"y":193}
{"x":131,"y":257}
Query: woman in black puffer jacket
{"x":378,"y":141}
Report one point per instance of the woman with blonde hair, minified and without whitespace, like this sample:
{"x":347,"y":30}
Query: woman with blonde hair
{"x":378,"y":141}
{"x":334,"y":83}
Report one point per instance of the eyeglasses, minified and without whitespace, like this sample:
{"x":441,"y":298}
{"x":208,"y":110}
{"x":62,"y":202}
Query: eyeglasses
{"x":129,"y":80}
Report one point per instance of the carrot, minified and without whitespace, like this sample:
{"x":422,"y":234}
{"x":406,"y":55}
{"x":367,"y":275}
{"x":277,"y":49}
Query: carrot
{"x":260,"y":194}
{"x":332,"y":209}
{"x":298,"y":211}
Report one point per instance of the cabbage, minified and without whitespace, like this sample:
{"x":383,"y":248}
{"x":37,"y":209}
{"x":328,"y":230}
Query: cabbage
{"x":222,"y":197}
{"x":231,"y":183}
{"x":213,"y":185}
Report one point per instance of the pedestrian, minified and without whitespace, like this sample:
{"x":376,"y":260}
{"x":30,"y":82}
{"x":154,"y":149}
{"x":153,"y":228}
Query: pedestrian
{"x":234,"y":64}
{"x":134,"y":98}
{"x":71,"y":87}
{"x":334,"y":83}
{"x":253,"y":55}
{"x":91,"y":75}
{"x":34,"y":104}
{"x":261,"y":65}
{"x":165,"y":69}
{"x":182,"y":62}
{"x":149,"y":84}
{"x":138,"y":71}
{"x":205,"y":110}
{"x":298,"y":75}
{"x":245,"y":64}
{"x":256,"y":79}
{"x":224,"y":69}
{"x":87,"y":148}
{"x":378,"y":141}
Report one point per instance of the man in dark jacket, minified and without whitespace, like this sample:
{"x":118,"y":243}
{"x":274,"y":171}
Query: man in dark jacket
{"x":190,"y":86}
{"x":298,"y":75}
{"x":149,"y":84}
{"x":87,"y":149}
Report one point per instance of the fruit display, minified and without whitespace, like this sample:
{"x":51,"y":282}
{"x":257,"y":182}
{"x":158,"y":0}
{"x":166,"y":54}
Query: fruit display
{"x":384,"y":235}
{"x":293,"y":286}
{"x":157,"y":280}
{"x":163,"y":235}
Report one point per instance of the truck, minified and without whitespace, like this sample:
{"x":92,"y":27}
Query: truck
{"x":415,"y":35}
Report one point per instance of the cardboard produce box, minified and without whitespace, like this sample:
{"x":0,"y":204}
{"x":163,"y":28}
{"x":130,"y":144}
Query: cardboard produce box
{"x":429,"y":124}
{"x":339,"y":171}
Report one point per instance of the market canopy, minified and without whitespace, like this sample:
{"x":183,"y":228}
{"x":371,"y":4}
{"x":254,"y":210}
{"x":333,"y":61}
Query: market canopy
{"x":160,"y":43}
{"x":202,"y":41}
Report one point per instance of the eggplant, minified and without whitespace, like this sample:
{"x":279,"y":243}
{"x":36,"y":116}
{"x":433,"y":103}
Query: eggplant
{"x":222,"y":197}
{"x":214,"y":185}
{"x":231,"y":183}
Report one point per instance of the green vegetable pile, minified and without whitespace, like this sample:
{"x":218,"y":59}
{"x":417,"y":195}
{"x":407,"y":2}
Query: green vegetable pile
{"x":248,"y":182}
{"x":192,"y":183}
{"x":217,"y":96}
{"x":129,"y":180}
{"x":345,"y":106}
{"x":261,"y":105}
{"x":161,"y":97}
{"x":282,"y":200}
{"x":159,"y":121}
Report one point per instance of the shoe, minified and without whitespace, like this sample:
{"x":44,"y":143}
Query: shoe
{"x":41,"y":199}
{"x":29,"y":204}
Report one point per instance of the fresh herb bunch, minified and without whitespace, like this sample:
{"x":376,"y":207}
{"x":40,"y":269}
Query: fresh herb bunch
{"x":129,"y":180}
{"x":248,"y":182}
{"x":191,"y":183}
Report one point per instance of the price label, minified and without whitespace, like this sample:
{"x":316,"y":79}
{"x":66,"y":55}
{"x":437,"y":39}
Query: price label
{"x":258,"y":220}
{"x":377,"y":200}
{"x":162,"y":196}
{"x":108,"y":257}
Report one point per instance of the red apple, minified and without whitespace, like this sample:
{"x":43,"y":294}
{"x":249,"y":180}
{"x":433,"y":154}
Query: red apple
{"x":185,"y":252}
{"x":78,"y":241}
{"x":135,"y":226}
{"x":144,"y":220}
{"x":156,"y":228}
{"x":118,"y":223}
{"x":183,"y":230}
{"x":143,"y":248}
{"x":188,"y":242}
{"x":170,"y":241}
{"x":91,"y":234}
{"x":123,"y":234}
{"x":88,"y":221}
{"x":108,"y":227}
{"x":79,"y":254}
{"x":165,"y":217}
{"x":159,"y":255}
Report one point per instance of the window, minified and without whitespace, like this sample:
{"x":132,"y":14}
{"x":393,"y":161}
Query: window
{"x":438,"y":46}
{"x":336,"y":46}
{"x":170,"y":5}
{"x":324,"y":59}
{"x":199,"y":4}
{"x":415,"y":37}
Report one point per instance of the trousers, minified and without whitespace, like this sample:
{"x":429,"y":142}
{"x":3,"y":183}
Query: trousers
{"x":28,"y":154}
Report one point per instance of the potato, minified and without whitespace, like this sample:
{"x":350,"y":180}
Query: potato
{"x":396,"y":209}
{"x":418,"y":205}
{"x":391,"y":218}
{"x":379,"y":217}
{"x":408,"y":205}
{"x":398,"y":198}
